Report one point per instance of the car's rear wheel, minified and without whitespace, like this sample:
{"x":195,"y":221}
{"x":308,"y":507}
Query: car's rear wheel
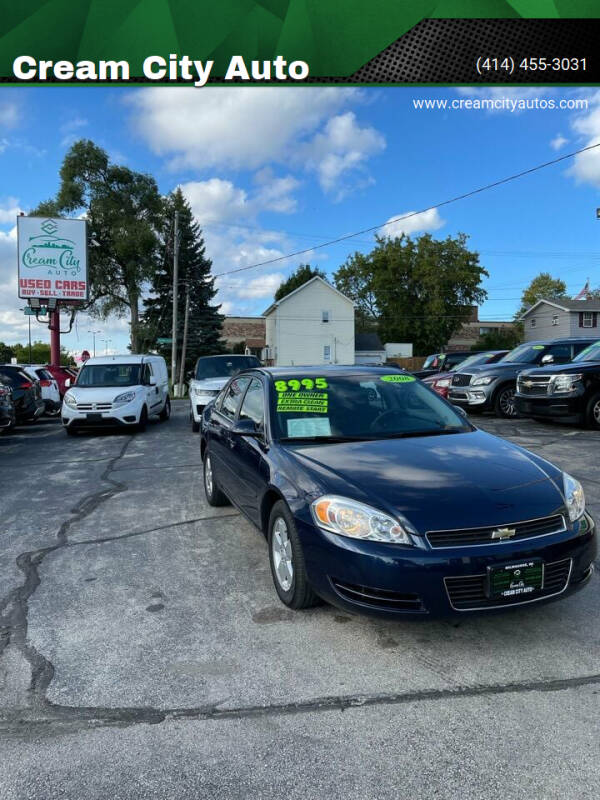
{"x":287,"y":560}
{"x":214,"y":495}
{"x":166,"y":412}
{"x":504,"y":404}
{"x":593,"y":412}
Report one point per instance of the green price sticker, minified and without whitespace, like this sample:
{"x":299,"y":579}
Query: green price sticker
{"x":537,"y":346}
{"x":303,"y":383}
{"x":398,"y":378}
{"x":305,"y":402}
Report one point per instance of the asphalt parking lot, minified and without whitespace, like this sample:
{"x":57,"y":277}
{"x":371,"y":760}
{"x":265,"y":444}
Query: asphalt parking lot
{"x":144,"y":652}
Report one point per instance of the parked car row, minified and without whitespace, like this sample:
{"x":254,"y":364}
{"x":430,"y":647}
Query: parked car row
{"x":28,"y":391}
{"x":552,"y":379}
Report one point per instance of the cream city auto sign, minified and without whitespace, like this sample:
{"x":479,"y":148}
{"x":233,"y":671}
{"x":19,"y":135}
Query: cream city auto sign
{"x":52,"y":258}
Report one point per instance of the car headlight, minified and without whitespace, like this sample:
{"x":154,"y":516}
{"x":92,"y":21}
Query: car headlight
{"x":574,"y":496}
{"x":204,"y":392}
{"x":69,"y":400}
{"x":357,"y":520}
{"x":122,"y":399}
{"x":443,"y":382}
{"x":483,"y":381}
{"x":564,"y":383}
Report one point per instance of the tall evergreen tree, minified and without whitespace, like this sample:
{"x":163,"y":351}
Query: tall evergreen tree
{"x":205,"y":322}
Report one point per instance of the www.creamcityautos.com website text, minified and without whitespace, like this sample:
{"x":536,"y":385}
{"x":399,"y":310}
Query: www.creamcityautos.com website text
{"x":500,"y":103}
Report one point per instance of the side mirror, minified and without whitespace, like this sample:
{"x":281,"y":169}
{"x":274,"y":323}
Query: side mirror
{"x":460,"y":410}
{"x":246,"y":427}
{"x":548,"y":359}
{"x":152,"y":380}
{"x":68,"y":383}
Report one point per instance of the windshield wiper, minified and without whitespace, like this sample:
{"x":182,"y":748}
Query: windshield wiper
{"x":329,"y":439}
{"x":428,"y":432}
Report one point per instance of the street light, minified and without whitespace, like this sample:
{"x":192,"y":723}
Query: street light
{"x":106,"y":343}
{"x":94,"y":335}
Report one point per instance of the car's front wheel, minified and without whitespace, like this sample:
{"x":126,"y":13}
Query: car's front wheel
{"x":214,"y":495}
{"x":287,"y":560}
{"x":504,"y":404}
{"x":141,"y":426}
{"x":166,"y":412}
{"x":593,"y":412}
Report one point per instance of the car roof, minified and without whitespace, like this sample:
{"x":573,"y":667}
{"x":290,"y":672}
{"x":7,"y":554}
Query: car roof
{"x":564,"y":340}
{"x":229,"y":356}
{"x":320,"y":370}
{"x":131,"y":359}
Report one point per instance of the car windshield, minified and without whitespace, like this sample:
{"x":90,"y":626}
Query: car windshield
{"x":471,"y":361}
{"x":432,"y":361}
{"x":525,"y":353}
{"x":109,"y":375}
{"x":591,"y":353}
{"x":362,"y":406}
{"x":223,"y":366}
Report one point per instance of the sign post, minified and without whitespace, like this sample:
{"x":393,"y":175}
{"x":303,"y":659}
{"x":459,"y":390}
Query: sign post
{"x":52,"y":254}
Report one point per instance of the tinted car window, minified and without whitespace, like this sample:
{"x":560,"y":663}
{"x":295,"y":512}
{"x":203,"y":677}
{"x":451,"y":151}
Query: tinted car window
{"x":223,"y":366}
{"x":526,"y":353}
{"x":14,"y":377}
{"x":109,"y":375}
{"x":232,"y":397}
{"x":579,"y":346}
{"x":591,"y":353}
{"x":356,"y":406}
{"x":432,"y":361}
{"x":452,"y":360}
{"x":253,"y":406}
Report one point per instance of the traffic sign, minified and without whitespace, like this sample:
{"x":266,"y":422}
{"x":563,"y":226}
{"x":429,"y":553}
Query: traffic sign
{"x":29,"y":312}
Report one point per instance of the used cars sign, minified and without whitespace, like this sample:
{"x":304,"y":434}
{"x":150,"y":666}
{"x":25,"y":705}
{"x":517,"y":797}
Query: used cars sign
{"x":52,"y":258}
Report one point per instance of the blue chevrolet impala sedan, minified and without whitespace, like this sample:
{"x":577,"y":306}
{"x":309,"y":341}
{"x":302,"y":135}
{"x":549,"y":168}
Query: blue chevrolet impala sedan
{"x":379,"y":497}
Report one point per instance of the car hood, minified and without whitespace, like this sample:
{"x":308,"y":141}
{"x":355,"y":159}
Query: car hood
{"x":100,"y":394}
{"x":559,"y":369}
{"x":437,"y":482}
{"x":209,"y":384}
{"x":499,"y":368}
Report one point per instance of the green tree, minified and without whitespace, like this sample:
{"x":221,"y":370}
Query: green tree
{"x":417,"y":290}
{"x":542,"y":287}
{"x":7,"y":352}
{"x":502,"y":339}
{"x":40,"y":353}
{"x":124,"y":212}
{"x":194,"y":271}
{"x":355,"y":279}
{"x":299,"y":277}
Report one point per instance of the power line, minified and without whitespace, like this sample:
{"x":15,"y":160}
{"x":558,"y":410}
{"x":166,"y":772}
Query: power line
{"x":372,"y":228}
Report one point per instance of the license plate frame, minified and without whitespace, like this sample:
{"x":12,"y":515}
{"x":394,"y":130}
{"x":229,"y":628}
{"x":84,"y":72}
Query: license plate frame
{"x":93,"y":417}
{"x":516,"y":579}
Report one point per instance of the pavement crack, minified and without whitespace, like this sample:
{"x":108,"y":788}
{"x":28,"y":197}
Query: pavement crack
{"x":14,"y":608}
{"x":71,"y":718}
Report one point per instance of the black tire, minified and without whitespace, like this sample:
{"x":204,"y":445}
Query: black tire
{"x":70,"y":431}
{"x":299,"y":594}
{"x":214,"y":496}
{"x":195,"y":425}
{"x":592,"y":415}
{"x":504,"y":402}
{"x":141,"y":426}
{"x":166,"y":412}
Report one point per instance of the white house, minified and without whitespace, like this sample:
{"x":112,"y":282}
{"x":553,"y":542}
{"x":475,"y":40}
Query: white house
{"x":314,"y":324}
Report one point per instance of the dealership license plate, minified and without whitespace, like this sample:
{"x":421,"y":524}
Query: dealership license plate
{"x":518,"y":578}
{"x":93,"y":417}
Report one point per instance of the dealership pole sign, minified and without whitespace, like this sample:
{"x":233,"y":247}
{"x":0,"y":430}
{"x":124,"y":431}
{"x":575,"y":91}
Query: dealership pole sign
{"x":53,"y":259}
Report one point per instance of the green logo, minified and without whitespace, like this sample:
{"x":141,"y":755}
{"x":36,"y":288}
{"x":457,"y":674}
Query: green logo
{"x":398,"y":378}
{"x":53,"y":252}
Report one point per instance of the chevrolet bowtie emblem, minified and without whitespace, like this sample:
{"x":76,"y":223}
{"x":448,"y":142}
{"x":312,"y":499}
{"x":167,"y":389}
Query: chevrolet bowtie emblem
{"x":503,"y":533}
{"x":528,"y":383}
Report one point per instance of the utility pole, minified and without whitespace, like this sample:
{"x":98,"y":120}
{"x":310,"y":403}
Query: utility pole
{"x":175,"y":286}
{"x":185,"y":333}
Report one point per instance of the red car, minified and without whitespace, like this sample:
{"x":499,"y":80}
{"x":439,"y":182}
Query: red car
{"x":60,"y":375}
{"x":440,"y":382}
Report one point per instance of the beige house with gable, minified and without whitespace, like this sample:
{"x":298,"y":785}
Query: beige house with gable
{"x":314,"y":324}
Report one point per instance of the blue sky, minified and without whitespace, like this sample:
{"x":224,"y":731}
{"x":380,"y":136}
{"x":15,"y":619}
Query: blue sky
{"x":272,"y":170}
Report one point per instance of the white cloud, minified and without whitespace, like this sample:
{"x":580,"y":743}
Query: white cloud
{"x":340,"y":150}
{"x":9,"y":210}
{"x":424,"y":221}
{"x":10,"y":113}
{"x":216,"y":200}
{"x":558,"y":142}
{"x":264,"y":285}
{"x":586,"y":166}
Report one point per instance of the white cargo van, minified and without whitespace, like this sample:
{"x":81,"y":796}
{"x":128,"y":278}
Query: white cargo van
{"x":117,"y":390}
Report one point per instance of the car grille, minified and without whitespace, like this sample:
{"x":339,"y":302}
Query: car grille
{"x":468,"y":592}
{"x":533,"y":386}
{"x":94,"y":406}
{"x":378,"y":598}
{"x":471,"y":536}
{"x":461,"y":379}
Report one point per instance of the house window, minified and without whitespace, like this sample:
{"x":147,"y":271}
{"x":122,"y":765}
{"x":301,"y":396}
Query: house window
{"x":533,"y":322}
{"x":555,"y":319}
{"x":326,"y":352}
{"x":324,"y":316}
{"x":588,"y":319}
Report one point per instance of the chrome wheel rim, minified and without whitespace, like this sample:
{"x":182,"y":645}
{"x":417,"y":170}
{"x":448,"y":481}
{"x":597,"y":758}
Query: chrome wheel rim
{"x":281,"y":549}
{"x":507,"y":402}
{"x":208,"y":477}
{"x":596,"y":412}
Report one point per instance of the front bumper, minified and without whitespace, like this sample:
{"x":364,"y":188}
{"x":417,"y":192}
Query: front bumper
{"x":122,"y":416}
{"x":551,"y":406}
{"x":392,"y":581}
{"x":469,"y":396}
